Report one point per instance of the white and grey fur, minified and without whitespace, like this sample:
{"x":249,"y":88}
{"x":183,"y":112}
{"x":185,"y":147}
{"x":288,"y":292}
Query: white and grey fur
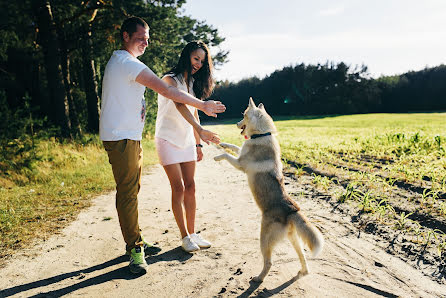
{"x":260,"y":159}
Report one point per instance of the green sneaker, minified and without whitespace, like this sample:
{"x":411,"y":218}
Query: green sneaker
{"x":150,"y":249}
{"x":137,"y":261}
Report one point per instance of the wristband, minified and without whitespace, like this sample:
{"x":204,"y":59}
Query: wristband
{"x":199,"y":145}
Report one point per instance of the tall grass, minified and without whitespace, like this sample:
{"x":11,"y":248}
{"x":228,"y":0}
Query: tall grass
{"x":51,"y":188}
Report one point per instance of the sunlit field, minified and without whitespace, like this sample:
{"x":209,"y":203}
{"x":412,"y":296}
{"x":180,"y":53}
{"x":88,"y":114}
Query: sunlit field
{"x":43,"y":189}
{"x":386,"y":171}
{"x":389,"y":169}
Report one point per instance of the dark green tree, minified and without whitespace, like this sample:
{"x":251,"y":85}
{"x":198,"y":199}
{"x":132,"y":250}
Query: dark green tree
{"x":56,"y":50}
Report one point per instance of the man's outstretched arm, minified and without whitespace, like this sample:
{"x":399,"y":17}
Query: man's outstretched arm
{"x":147,"y":78}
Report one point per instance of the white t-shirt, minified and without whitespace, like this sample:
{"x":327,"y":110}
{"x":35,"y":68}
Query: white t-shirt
{"x":170,"y":124}
{"x":123,"y":108}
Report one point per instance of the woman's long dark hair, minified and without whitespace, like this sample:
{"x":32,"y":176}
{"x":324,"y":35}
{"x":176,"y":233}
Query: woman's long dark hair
{"x":203,"y":80}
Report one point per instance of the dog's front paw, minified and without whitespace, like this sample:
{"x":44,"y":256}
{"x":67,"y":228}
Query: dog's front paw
{"x":224,"y":145}
{"x":257,"y":279}
{"x":219,"y":157}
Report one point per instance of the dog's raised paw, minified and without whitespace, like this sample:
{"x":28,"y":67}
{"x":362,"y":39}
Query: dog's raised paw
{"x":218,"y":157}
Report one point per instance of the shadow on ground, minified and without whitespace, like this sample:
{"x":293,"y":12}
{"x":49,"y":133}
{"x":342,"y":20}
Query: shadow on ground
{"x":265,"y":293}
{"x":120,"y":273}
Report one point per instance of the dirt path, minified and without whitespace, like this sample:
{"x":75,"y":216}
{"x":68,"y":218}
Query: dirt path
{"x":86,"y":258}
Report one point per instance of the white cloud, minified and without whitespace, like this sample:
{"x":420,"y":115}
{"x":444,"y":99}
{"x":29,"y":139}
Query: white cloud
{"x":389,"y":37}
{"x":331,"y":11}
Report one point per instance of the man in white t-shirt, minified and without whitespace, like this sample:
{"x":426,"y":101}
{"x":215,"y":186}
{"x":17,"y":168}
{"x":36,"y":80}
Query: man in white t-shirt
{"x":122,"y":119}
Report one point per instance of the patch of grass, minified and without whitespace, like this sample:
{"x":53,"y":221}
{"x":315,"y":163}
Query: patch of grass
{"x":60,"y":181}
{"x":392,"y":165}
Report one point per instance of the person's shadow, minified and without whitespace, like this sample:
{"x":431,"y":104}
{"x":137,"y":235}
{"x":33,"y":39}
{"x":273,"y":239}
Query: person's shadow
{"x":120,"y":273}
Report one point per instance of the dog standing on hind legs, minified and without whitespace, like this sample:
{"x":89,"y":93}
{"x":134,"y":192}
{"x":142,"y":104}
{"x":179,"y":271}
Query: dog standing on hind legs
{"x":259,"y":158}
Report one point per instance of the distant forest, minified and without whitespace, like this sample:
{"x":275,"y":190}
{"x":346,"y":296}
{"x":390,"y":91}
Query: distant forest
{"x":53,"y":54}
{"x":336,"y":89}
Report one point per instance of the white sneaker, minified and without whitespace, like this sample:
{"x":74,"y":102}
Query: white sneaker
{"x":188,"y":245}
{"x":200,"y":241}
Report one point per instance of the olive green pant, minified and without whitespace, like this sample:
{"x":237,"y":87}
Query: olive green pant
{"x":125,"y":157}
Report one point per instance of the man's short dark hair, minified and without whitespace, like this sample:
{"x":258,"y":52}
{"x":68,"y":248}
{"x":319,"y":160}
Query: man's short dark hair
{"x":130,"y":26}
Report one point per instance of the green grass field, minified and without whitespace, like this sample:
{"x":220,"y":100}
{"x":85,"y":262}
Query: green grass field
{"x":390,"y":167}
{"x":43,"y":194}
{"x":411,"y":146}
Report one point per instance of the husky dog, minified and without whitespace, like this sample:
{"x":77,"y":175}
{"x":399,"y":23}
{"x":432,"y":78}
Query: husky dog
{"x":259,"y":158}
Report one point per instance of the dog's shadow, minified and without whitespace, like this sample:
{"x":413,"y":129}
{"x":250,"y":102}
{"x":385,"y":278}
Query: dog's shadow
{"x":84,"y":282}
{"x":265,"y":292}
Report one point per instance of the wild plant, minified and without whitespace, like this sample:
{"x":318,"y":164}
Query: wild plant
{"x":416,"y":228}
{"x":443,"y":183}
{"x":351,"y":193}
{"x":438,"y":142}
{"x":427,"y":236}
{"x":428,"y":194}
{"x":391,"y":181}
{"x":299,"y":171}
{"x":367,"y":202}
{"x":402,"y":220}
{"x":424,"y":197}
{"x":321,"y":181}
{"x":441,"y":247}
{"x":382,"y":207}
{"x":415,"y":138}
{"x":442,"y":208}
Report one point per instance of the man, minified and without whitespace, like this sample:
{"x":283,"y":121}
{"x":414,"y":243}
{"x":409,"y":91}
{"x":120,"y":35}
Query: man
{"x":122,"y":121}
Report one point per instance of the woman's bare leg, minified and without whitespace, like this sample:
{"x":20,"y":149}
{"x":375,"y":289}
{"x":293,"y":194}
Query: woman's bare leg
{"x":175,"y":177}
{"x":188,"y":172}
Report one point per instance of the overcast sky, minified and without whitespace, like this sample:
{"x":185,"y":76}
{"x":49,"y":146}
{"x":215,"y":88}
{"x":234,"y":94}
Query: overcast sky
{"x":389,"y":36}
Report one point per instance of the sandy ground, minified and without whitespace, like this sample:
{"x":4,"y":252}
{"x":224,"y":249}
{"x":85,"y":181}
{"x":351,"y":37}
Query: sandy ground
{"x":87,"y":258}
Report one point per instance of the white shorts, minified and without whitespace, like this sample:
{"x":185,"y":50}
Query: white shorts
{"x":169,"y":153}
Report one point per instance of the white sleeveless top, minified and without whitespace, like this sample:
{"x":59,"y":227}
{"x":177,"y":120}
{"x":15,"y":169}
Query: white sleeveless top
{"x":170,"y":124}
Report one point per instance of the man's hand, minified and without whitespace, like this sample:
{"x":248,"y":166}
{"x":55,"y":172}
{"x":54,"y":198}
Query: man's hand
{"x":211,"y":108}
{"x":208,"y":136}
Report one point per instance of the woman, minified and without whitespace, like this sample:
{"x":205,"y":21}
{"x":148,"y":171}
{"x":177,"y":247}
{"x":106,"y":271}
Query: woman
{"x":178,"y":143}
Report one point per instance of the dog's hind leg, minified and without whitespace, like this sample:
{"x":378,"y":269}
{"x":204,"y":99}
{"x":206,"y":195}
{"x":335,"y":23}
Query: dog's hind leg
{"x":270,"y":234}
{"x":297,"y":244}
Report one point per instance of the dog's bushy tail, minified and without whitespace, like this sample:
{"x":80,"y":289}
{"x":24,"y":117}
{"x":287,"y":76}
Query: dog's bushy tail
{"x":309,"y":234}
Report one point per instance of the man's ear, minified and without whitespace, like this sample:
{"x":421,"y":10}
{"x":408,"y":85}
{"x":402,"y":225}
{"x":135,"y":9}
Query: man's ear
{"x":125,"y":36}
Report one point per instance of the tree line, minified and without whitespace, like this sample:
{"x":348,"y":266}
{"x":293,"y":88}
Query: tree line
{"x":336,"y":89}
{"x":53,"y":54}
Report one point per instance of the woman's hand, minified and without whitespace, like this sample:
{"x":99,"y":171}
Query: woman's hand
{"x":208,"y":136}
{"x":199,"y":154}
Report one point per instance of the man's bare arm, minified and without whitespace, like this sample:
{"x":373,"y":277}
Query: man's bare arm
{"x":150,"y":80}
{"x":206,"y":135}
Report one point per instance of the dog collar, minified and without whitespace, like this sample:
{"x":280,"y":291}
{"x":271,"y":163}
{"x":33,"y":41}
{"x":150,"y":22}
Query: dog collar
{"x":260,"y":135}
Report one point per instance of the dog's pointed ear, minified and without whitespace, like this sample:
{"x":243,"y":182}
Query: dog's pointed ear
{"x":261,"y":106}
{"x":251,"y":103}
